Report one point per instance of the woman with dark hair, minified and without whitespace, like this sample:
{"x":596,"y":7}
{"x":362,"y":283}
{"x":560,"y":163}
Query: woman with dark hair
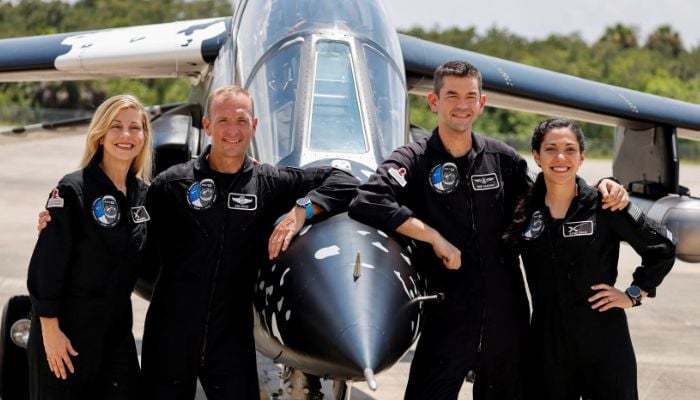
{"x":579,"y":339}
{"x":84,"y":265}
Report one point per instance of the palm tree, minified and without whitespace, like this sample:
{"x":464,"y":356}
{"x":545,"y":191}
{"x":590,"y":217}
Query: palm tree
{"x":666,"y":41}
{"x":622,"y":36}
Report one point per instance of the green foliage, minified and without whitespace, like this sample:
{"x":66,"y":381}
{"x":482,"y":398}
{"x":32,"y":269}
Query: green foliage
{"x":662,"y":66}
{"x":40,"y":17}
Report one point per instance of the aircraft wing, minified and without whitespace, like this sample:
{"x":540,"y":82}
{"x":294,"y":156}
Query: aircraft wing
{"x":168,"y":50}
{"x":521,"y":87}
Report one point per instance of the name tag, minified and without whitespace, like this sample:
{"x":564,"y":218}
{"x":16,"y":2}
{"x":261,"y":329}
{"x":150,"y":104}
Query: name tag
{"x":242,"y":201}
{"x":485,"y":182}
{"x":578,"y":228}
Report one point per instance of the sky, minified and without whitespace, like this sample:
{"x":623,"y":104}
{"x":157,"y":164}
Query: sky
{"x":536,"y":19}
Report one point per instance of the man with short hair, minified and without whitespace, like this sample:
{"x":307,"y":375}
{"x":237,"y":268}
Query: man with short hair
{"x":207,"y":218}
{"x":454,"y":194}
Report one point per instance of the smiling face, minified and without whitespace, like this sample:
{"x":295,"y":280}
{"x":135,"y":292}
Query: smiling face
{"x":458,"y":104}
{"x":125,"y":137}
{"x":559,"y":156}
{"x":231,"y":126}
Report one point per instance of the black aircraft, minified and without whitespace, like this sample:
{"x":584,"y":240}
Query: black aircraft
{"x":330,"y":81}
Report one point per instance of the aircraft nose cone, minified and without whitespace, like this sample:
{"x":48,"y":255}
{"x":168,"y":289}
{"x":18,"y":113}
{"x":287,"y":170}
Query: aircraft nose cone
{"x":329,"y":320}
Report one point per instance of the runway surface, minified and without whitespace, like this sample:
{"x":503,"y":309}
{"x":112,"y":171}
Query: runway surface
{"x":665,"y":330}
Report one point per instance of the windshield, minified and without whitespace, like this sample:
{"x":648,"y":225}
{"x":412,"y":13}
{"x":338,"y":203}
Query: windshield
{"x":269,"y":21}
{"x":336,"y":124}
{"x":387,"y":92}
{"x":274,"y":92}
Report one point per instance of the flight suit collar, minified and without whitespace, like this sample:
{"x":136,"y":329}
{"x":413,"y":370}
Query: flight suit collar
{"x":585,"y":197}
{"x":95,"y":171}
{"x":435,"y":143}
{"x":202,"y":165}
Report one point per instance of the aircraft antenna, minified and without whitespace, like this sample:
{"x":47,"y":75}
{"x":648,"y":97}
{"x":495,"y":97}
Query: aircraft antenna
{"x":369,"y":375}
{"x":358,"y":267}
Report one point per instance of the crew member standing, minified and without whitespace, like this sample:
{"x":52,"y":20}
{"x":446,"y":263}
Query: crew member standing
{"x":84,"y":265}
{"x":210,"y":219}
{"x":454,"y":193}
{"x":579,"y":343}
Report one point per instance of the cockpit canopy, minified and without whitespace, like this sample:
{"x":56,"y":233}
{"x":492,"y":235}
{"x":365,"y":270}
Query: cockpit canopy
{"x":328,"y":82}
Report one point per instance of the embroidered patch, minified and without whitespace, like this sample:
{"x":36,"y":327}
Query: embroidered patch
{"x":444,"y":178}
{"x":55,"y":200}
{"x":634,"y":211}
{"x":242,"y":201}
{"x":399,"y":175}
{"x":578,"y":228}
{"x":485,"y":182}
{"x":139,"y":214}
{"x":201,"y":195}
{"x":669,"y":235}
{"x":105,"y":211}
{"x":535,"y":227}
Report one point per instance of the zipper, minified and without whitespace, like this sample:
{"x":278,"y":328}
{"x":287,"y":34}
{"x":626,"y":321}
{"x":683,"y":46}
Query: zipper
{"x":213,"y":286}
{"x":481,"y":330}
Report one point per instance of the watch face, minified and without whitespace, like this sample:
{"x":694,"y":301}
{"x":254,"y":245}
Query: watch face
{"x":303,"y":202}
{"x":634,"y":291}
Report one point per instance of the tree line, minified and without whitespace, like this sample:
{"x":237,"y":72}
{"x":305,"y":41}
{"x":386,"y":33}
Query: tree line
{"x":659,"y":64}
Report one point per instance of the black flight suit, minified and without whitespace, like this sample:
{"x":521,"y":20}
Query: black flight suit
{"x":82,"y":271}
{"x":578,"y":351}
{"x":482,"y":322}
{"x":212,"y":231}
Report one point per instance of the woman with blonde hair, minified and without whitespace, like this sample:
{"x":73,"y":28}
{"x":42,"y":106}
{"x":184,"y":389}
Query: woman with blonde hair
{"x":84,"y":265}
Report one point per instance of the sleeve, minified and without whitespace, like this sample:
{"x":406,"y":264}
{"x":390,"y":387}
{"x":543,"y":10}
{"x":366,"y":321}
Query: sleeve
{"x":379,"y":202}
{"x":50,"y":260}
{"x":328,"y":187}
{"x":652,"y":241}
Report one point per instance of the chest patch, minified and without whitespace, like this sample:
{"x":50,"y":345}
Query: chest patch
{"x":485,"y":182}
{"x":242,"y":201}
{"x":201,"y":195}
{"x":578,"y":228}
{"x":55,"y":200}
{"x":105,"y":211}
{"x":444,"y":178}
{"x":139,"y":215}
{"x":535,"y":227}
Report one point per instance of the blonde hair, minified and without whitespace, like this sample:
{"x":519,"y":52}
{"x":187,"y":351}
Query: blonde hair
{"x":142,"y":166}
{"x":227,"y":92}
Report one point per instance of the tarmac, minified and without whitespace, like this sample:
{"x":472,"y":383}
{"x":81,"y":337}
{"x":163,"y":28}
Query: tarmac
{"x":665,"y":330}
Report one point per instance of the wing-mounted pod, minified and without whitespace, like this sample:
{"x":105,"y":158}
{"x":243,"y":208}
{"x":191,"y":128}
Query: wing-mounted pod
{"x":646,"y":160}
{"x":647,"y":163}
{"x":340,"y":302}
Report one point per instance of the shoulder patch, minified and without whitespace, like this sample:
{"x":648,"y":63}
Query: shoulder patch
{"x":399,"y":175}
{"x":634,"y":211}
{"x":55,"y":200}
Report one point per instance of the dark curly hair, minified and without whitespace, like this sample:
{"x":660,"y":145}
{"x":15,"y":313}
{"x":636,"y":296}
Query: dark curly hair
{"x":536,"y":193}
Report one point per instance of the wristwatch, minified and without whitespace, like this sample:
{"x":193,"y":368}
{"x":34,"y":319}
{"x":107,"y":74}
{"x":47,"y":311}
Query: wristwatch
{"x":635,"y":294}
{"x":305,"y":202}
